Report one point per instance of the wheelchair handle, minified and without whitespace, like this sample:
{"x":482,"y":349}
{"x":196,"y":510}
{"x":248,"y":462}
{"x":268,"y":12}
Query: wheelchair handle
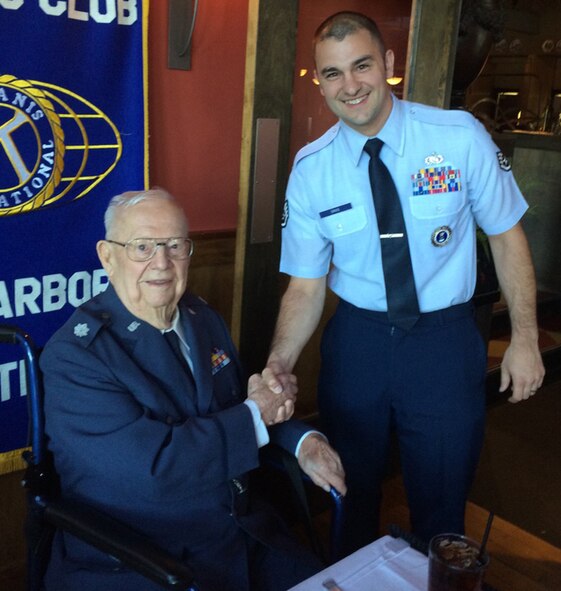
{"x":12,"y":335}
{"x":9,"y":334}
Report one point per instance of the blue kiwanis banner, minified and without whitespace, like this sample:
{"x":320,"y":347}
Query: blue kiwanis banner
{"x":73,"y":133}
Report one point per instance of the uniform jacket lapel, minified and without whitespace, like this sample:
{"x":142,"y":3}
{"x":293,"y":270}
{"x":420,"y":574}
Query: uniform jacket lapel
{"x":198,"y":338}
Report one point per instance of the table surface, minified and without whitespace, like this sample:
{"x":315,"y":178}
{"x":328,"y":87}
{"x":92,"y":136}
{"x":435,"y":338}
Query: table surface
{"x":387,"y":563}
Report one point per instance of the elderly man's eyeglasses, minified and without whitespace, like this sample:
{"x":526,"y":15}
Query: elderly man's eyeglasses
{"x":143,"y":249}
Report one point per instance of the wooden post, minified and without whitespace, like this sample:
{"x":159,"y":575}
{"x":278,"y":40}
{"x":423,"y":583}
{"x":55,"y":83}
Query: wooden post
{"x":270,"y":56}
{"x":431,"y":54}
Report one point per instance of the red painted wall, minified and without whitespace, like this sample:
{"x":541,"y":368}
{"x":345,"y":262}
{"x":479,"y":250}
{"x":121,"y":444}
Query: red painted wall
{"x":196,"y":116}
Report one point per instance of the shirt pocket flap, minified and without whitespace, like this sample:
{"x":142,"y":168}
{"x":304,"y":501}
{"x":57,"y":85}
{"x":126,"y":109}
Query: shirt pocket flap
{"x":433,"y":206}
{"x":343,"y":222}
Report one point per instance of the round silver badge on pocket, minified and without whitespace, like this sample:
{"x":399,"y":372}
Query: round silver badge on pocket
{"x":441,"y":236}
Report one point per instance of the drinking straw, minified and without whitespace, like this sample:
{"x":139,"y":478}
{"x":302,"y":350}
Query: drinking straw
{"x":485,"y":536}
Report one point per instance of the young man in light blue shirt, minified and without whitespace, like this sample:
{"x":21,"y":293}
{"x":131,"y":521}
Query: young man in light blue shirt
{"x":427,"y":383}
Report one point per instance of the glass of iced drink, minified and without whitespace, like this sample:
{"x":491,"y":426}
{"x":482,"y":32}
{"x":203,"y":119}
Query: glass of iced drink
{"x":455,"y":564}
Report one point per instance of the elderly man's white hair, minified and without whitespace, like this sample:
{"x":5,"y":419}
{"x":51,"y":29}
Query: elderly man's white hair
{"x":128,"y":199}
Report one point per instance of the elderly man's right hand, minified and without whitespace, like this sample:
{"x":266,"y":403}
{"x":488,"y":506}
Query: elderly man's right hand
{"x":275,"y":407}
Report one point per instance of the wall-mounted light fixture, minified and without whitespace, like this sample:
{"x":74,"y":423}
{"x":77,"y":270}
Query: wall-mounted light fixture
{"x":182,"y":15}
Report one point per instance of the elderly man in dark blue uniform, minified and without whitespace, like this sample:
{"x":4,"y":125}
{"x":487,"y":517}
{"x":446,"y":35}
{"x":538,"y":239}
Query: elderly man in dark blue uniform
{"x":162,"y":433}
{"x":402,"y":349}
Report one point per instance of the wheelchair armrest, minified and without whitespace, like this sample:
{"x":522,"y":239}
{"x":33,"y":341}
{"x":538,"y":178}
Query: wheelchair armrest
{"x":277,"y":457}
{"x":119,"y":541}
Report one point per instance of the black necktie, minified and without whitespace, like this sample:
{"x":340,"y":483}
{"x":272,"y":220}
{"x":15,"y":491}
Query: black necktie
{"x":173,"y":341}
{"x":403,"y":307}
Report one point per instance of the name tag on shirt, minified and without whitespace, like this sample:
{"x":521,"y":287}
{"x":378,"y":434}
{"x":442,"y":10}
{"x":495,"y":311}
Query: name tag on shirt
{"x":334,"y":210}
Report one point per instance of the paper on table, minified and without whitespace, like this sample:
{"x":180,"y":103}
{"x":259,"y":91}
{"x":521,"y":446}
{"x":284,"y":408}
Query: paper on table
{"x":388,"y":564}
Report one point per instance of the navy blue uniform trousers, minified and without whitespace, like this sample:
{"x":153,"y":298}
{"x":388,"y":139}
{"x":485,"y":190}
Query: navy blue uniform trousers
{"x":428,"y":385}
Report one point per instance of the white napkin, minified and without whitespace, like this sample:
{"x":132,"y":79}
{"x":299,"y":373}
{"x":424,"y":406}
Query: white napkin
{"x":387,"y":564}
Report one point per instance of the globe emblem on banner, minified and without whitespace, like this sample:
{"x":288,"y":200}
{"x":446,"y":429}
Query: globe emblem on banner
{"x":55,"y":146}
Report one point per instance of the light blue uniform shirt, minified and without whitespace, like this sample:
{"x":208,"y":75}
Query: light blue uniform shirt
{"x":450,"y":177}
